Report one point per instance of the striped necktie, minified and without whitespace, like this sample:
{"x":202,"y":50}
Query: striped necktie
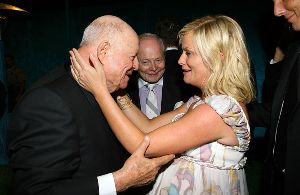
{"x":151,"y":102}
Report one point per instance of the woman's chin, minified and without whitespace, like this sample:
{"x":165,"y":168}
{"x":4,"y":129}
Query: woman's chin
{"x":186,"y":80}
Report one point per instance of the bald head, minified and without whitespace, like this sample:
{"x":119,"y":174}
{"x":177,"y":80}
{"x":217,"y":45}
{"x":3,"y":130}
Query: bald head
{"x":115,"y":44}
{"x":151,"y":57}
{"x":109,"y":28}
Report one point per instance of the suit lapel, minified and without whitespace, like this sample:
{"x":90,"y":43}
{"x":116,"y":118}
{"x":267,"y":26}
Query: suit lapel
{"x":170,"y":95}
{"x":165,"y":97}
{"x":133,"y":89}
{"x":135,"y":96}
{"x":288,"y":64}
{"x":295,"y":84}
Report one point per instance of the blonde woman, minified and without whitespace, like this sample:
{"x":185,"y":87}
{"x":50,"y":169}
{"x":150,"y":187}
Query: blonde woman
{"x":210,"y":132}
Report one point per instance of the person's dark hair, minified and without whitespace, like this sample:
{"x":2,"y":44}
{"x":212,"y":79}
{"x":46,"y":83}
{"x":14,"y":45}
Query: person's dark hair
{"x":167,"y":28}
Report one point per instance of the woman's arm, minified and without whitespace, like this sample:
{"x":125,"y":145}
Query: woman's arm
{"x":199,"y":126}
{"x":97,"y":84}
{"x":139,"y":119}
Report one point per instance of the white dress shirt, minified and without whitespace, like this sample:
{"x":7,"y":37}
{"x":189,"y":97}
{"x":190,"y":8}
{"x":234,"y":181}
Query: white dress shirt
{"x":106,"y":184}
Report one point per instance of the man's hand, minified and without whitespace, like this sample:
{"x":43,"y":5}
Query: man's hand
{"x":138,"y":170}
{"x":278,"y":56}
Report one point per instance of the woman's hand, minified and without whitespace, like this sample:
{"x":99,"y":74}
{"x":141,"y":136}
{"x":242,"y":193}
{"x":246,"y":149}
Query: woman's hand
{"x":89,"y":77}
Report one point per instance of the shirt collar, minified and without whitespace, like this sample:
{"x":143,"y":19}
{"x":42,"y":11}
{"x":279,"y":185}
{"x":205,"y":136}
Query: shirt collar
{"x":171,"y":48}
{"x":142,"y":83}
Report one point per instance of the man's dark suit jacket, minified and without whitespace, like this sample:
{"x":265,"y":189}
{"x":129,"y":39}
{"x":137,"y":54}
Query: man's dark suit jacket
{"x":262,"y":114}
{"x":174,"y":72}
{"x":59,"y":140}
{"x":173,"y":69}
{"x":171,"y":93}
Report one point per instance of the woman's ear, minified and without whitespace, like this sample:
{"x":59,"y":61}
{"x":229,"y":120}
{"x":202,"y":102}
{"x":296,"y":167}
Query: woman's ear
{"x":102,"y":49}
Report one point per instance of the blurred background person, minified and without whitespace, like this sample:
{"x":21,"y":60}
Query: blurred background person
{"x":167,"y":29}
{"x":16,"y":81}
{"x":282,"y":115}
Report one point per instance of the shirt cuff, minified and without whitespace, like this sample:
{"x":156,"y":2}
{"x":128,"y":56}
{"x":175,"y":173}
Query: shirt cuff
{"x":273,"y":61}
{"x":106,"y":184}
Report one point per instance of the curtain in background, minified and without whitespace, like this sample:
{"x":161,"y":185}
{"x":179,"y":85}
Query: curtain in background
{"x":4,"y":119}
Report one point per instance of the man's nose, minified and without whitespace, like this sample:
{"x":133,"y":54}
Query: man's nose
{"x":152,"y":66}
{"x":279,"y":9}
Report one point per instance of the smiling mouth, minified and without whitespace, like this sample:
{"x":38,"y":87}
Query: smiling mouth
{"x":153,"y":74}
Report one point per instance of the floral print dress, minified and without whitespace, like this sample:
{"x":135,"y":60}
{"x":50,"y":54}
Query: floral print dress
{"x":214,"y":168}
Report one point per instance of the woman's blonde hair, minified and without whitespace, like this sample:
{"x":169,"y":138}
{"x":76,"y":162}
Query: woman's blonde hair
{"x":220,"y":42}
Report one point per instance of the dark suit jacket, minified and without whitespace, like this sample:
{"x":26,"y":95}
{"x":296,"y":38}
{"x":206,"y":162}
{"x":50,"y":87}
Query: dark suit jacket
{"x":174,"y":72}
{"x":171,"y":93}
{"x":59,"y":140}
{"x":172,"y":66}
{"x":291,"y":65}
{"x":272,"y":76}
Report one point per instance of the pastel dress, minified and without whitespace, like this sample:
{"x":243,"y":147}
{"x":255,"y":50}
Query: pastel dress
{"x":212,"y":168}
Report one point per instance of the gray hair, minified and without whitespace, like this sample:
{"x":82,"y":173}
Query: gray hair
{"x":105,"y":27}
{"x":154,"y":36}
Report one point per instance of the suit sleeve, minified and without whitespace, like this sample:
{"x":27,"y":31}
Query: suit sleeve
{"x":44,"y":147}
{"x":259,"y":114}
{"x":272,"y":76}
{"x":292,"y":157}
{"x":292,"y":169}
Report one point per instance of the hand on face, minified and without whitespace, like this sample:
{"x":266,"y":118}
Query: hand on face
{"x":91,"y":78}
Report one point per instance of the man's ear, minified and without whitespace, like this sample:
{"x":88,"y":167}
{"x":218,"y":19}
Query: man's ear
{"x":102,"y":49}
